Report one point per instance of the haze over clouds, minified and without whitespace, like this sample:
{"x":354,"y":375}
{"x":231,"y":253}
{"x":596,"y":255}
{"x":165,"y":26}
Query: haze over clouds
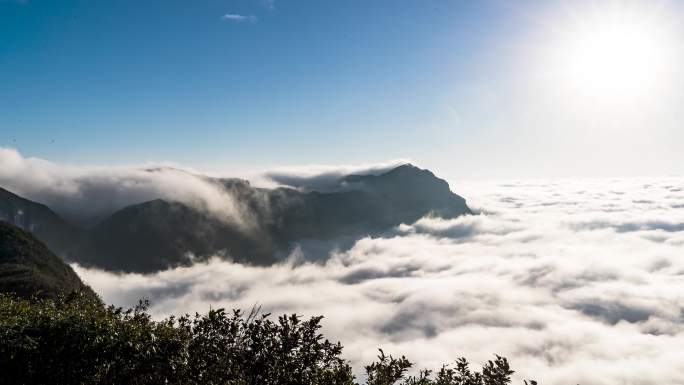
{"x":576,"y":281}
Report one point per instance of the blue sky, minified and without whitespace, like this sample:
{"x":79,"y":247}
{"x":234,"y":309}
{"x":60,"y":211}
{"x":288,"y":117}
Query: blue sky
{"x":284,"y":82}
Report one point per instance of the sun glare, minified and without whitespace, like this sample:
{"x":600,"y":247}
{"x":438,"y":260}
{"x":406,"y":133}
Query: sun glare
{"x":613,"y":55}
{"x":615,"y":58}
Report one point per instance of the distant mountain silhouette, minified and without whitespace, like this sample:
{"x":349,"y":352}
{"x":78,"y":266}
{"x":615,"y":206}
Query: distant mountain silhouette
{"x":365,"y":204}
{"x":28,"y":267}
{"x":158,"y":234}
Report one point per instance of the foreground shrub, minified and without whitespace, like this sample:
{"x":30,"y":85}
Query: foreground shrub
{"x":76,"y":340}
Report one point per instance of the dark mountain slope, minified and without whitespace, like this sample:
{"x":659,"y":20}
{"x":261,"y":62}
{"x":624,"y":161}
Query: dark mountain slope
{"x":415,"y":190}
{"x":155,"y":235}
{"x":28,"y":267}
{"x":365,"y":204}
{"x":38,"y":219}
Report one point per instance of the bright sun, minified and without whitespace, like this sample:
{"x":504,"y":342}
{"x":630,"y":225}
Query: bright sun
{"x":613,"y":54}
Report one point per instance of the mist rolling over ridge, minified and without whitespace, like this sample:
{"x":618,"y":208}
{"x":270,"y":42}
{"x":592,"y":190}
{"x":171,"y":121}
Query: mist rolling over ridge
{"x":194,"y":217}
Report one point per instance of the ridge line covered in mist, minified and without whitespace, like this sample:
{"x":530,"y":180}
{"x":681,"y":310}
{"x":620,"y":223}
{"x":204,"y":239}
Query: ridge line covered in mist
{"x":177,"y":217}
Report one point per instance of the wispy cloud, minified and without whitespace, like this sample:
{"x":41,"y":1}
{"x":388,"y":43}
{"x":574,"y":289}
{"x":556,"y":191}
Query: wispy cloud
{"x":268,"y":4}
{"x":237,"y":18}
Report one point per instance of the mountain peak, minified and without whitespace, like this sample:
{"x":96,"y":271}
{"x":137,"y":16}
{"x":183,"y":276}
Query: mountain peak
{"x":408,"y":169}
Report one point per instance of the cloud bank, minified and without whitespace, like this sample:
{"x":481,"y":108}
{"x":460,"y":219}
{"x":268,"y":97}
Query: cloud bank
{"x":87,"y":193}
{"x":576,"y":281}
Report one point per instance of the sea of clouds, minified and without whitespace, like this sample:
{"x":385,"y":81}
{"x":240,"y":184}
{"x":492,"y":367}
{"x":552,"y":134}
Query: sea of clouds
{"x":575,"y":281}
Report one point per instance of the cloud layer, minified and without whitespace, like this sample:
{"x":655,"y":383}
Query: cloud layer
{"x":576,"y":281}
{"x":90,"y":193}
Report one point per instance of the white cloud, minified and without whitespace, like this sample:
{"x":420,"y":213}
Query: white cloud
{"x":234,"y":17}
{"x":576,"y":281}
{"x":85,"y":192}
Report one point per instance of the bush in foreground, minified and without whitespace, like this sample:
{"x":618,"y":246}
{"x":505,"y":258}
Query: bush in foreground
{"x":76,"y":340}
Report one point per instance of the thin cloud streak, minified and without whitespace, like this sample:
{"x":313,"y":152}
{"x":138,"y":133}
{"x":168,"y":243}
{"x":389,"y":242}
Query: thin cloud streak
{"x":237,"y":18}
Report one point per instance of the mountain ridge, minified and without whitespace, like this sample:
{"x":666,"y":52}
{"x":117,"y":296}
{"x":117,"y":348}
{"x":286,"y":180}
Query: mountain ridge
{"x":158,"y":234}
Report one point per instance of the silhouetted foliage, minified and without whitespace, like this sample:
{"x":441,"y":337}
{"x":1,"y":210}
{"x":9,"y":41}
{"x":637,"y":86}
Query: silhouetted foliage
{"x":389,"y":370}
{"x":76,"y":340}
